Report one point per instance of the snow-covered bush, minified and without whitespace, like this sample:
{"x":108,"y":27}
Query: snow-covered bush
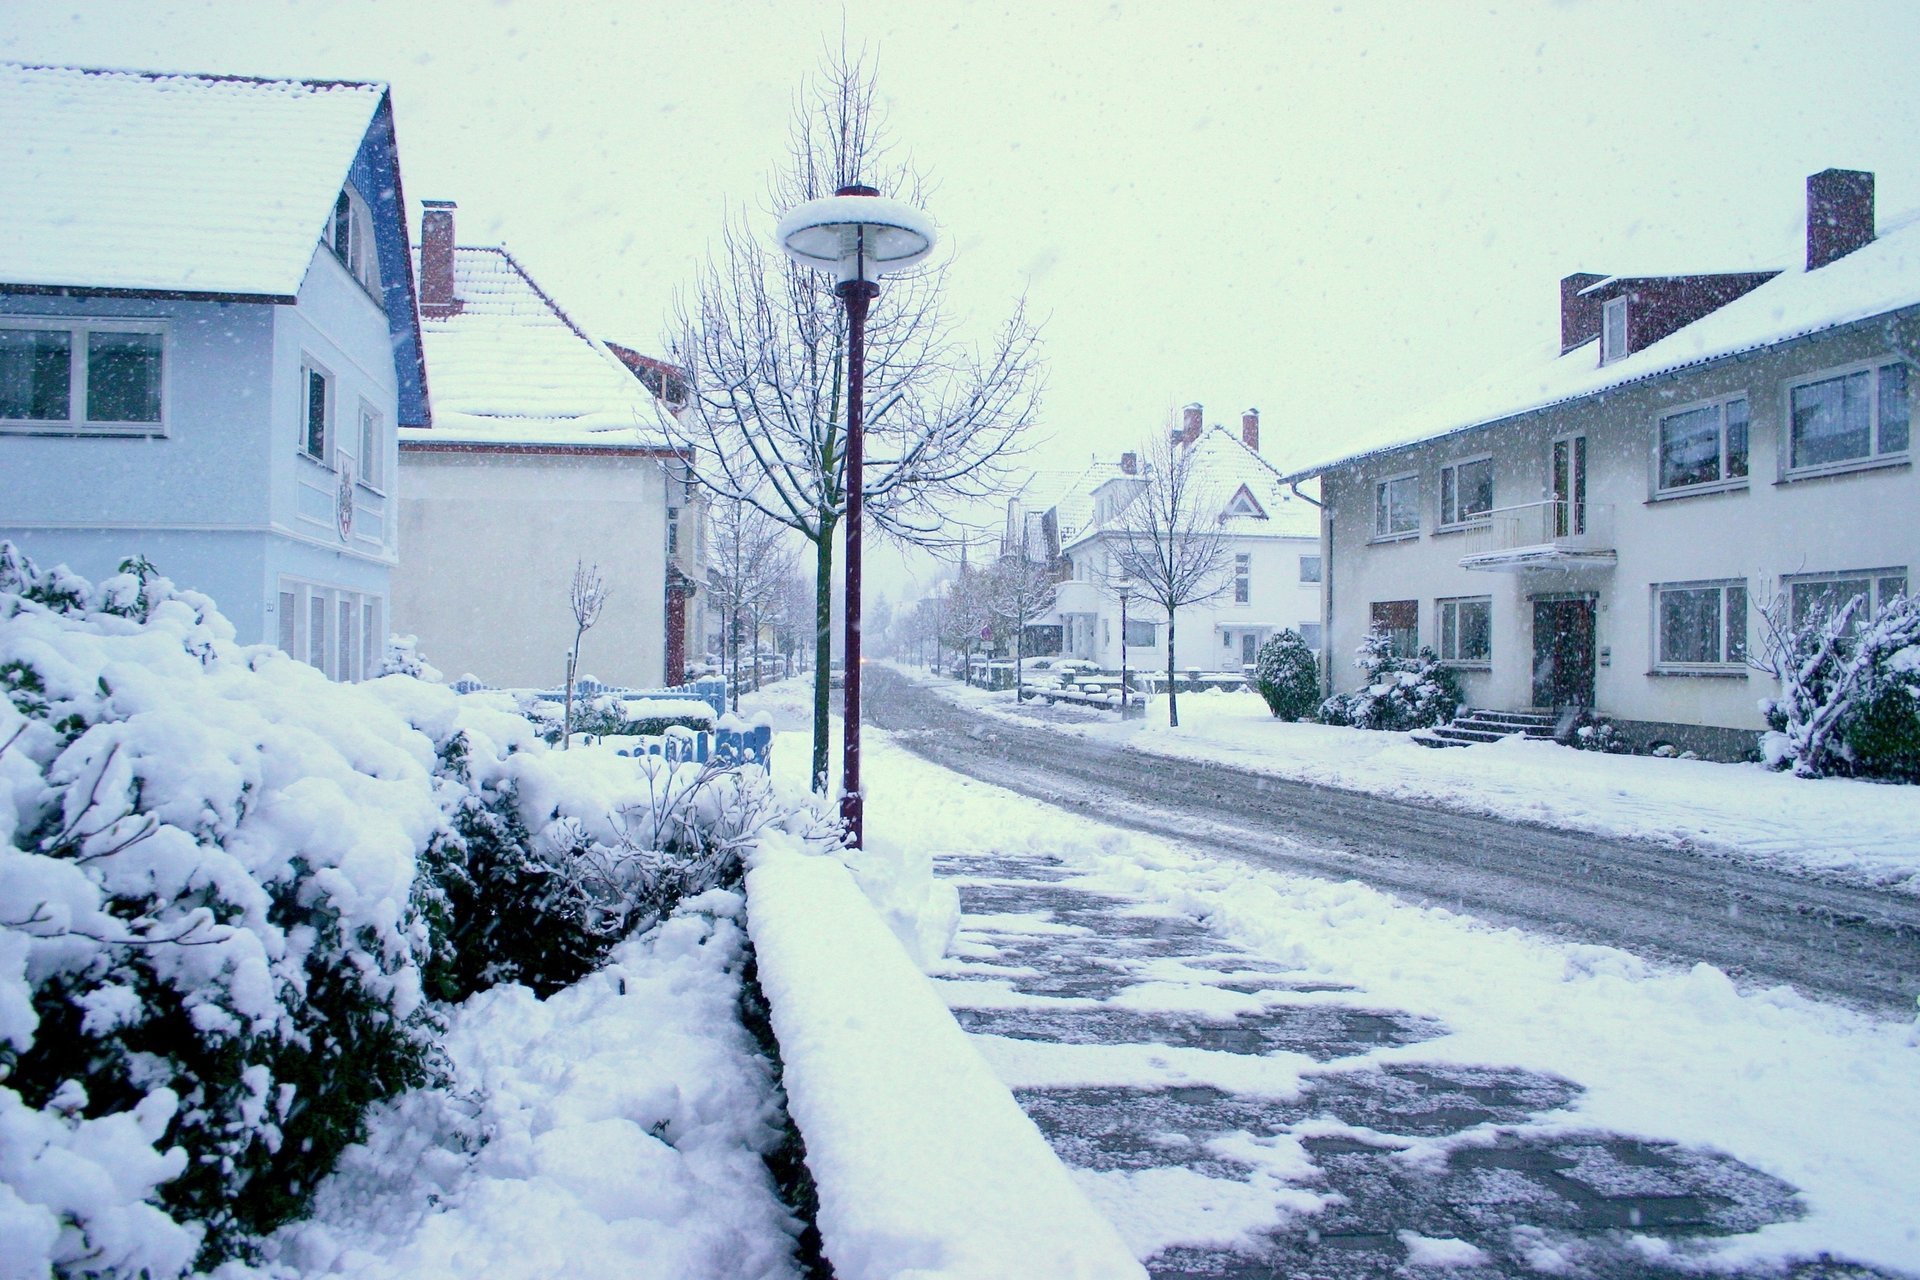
{"x":1287,"y":676}
{"x":1591,"y":733}
{"x":402,"y":657}
{"x":1399,"y":693}
{"x":1849,"y":699}
{"x":207,"y":957}
{"x":225,"y":882}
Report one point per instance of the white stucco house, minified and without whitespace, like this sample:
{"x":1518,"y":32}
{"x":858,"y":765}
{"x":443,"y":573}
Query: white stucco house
{"x":208,"y":340}
{"x":1269,"y":582}
{"x":545,"y":450}
{"x":1602,"y":526}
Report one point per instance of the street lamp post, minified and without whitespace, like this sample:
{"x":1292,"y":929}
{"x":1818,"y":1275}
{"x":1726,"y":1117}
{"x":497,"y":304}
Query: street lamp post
{"x":859,"y":237}
{"x":1125,"y":588}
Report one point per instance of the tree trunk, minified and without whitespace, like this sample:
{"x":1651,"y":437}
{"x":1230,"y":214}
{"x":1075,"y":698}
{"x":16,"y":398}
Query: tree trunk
{"x":822,"y":651}
{"x":756,"y":650}
{"x":1173,"y":692}
{"x":1019,"y":653}
{"x":733,"y":647}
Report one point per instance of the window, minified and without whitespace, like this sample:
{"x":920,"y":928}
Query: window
{"x":81,"y":375}
{"x":1396,"y":507}
{"x":349,"y":233}
{"x":1613,"y":329}
{"x":1706,"y":444}
{"x":316,"y":414}
{"x":289,"y":622}
{"x":1466,"y":630}
{"x":1700,"y":624}
{"x":1822,"y":595}
{"x":1309,"y":568}
{"x":1310,"y":633}
{"x":372,"y":446}
{"x":1854,"y":417}
{"x":1139,"y":634}
{"x":1466,"y":491}
{"x":1242,"y":579}
{"x":1400,"y":619}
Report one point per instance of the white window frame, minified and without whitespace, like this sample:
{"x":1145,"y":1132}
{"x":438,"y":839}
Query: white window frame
{"x":1447,"y":623}
{"x":1383,"y":505}
{"x":1726,"y":481}
{"x":1877,"y":581}
{"x":1309,"y":633}
{"x":371,"y":464}
{"x":1243,"y":578}
{"x":1450,"y":486}
{"x":330,"y":435}
{"x":1728,"y":662}
{"x":1875,"y":456}
{"x":1152,"y":632}
{"x":1317,"y":568}
{"x":1611,"y":347}
{"x":77,"y":329}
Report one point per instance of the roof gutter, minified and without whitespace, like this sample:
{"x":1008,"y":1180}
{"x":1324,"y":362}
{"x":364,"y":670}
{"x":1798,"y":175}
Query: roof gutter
{"x":163,"y":295}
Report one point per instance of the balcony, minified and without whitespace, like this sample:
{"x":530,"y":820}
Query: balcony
{"x":1542,"y":535}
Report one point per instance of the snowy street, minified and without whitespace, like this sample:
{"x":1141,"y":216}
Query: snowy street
{"x":1857,"y":944}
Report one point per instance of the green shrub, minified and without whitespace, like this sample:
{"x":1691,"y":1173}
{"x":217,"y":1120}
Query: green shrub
{"x":1287,"y":676}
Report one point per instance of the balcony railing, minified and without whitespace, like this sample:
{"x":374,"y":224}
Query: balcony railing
{"x":1554,"y":533}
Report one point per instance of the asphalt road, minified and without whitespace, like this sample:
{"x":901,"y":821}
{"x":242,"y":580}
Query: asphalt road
{"x":1836,"y":941}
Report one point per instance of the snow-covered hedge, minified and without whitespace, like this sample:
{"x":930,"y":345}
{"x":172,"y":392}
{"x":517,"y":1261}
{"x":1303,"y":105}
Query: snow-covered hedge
{"x":1398,"y":692}
{"x":226,"y":884}
{"x":1287,"y":676}
{"x":1849,"y":699}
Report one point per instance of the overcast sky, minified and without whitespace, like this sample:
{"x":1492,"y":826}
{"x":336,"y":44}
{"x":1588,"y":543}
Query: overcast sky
{"x":1324,"y":211}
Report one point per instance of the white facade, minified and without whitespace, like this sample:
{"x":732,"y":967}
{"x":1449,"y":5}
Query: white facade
{"x":1624,"y":540}
{"x":259,"y":470}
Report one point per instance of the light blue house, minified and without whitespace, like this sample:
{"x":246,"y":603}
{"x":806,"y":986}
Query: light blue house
{"x":208,"y":340}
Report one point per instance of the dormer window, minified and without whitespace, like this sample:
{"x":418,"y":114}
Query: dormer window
{"x":1613,"y":329}
{"x":349,"y":234}
{"x":1244,"y":504}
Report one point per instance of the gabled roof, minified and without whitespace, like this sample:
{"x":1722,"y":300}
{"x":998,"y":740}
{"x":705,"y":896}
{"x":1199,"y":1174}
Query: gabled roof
{"x":1878,"y":278}
{"x":1224,"y":468}
{"x":511,"y":368}
{"x":156,"y":182}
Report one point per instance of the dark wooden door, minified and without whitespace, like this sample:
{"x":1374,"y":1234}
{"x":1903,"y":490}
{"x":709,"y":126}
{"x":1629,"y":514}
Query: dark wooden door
{"x":1563,"y":653}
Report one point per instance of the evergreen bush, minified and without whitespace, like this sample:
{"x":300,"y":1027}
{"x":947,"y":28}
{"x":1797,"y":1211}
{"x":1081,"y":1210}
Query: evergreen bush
{"x":1287,"y":676}
{"x":1399,"y":692}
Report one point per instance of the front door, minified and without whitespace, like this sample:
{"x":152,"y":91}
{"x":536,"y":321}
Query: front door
{"x":1568,"y":467}
{"x":1563,"y":652}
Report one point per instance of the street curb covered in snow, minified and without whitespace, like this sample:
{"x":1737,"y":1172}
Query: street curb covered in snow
{"x":926,"y":1166}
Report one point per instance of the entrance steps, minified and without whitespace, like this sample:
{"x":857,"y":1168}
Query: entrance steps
{"x":1476,"y":726}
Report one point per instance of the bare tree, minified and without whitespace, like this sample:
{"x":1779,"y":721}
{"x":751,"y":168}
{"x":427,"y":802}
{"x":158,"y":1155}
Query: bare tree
{"x":966,"y":617}
{"x":763,"y":341}
{"x":1170,"y":541}
{"x":749,"y":561}
{"x":1019,"y":590}
{"x":586,"y":597}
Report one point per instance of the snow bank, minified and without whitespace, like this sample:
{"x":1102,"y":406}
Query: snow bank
{"x":623,"y":1122}
{"x":926,"y":1166}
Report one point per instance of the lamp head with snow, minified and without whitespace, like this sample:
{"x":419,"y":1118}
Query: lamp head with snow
{"x":856,"y":234}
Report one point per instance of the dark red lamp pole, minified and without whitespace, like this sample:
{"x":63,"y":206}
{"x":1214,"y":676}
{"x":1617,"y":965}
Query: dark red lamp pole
{"x":860,"y":237}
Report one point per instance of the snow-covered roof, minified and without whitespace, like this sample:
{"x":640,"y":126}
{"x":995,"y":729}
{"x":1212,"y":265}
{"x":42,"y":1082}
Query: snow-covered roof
{"x":512,"y":368}
{"x":1223,"y":469}
{"x":1880,"y":277}
{"x":182,"y":183}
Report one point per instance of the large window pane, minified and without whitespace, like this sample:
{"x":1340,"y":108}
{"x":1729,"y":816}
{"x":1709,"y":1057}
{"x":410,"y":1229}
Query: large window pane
{"x":1476,"y":630}
{"x":1690,"y":625}
{"x":1736,"y":632}
{"x":1736,"y":438}
{"x":1815,"y":600}
{"x":1690,"y":447}
{"x":1831,"y":421}
{"x":1476,"y":488}
{"x":123,"y":377}
{"x":36,"y":374}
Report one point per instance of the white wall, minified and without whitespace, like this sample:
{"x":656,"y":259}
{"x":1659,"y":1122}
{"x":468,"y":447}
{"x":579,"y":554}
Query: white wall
{"x":489,"y":542}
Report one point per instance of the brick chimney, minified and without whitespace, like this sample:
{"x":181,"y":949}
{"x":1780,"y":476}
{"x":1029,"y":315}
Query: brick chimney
{"x":437,"y":297}
{"x":1189,"y":424}
{"x":1250,"y":429}
{"x":1579,"y":317}
{"x":1839,"y":215}
{"x":1129,"y":464}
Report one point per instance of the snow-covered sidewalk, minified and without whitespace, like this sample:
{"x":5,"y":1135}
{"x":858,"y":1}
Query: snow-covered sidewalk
{"x":1863,"y":832}
{"x":1822,"y":1099}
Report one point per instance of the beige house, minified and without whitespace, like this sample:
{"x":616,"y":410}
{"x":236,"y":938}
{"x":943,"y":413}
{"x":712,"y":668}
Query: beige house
{"x":1603,"y":528}
{"x":545,"y":450}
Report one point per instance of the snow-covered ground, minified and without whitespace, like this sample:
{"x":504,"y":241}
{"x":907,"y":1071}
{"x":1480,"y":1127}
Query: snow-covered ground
{"x":1825,"y":1099}
{"x":612,"y":1130}
{"x":1860,"y":831}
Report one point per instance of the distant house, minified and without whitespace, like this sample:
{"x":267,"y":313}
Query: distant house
{"x":545,"y":450}
{"x":1270,"y":582}
{"x":1602,"y":528}
{"x":207,"y":340}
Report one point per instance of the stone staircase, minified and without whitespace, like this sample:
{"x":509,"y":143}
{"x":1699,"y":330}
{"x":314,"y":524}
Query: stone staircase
{"x":1480,"y":725}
